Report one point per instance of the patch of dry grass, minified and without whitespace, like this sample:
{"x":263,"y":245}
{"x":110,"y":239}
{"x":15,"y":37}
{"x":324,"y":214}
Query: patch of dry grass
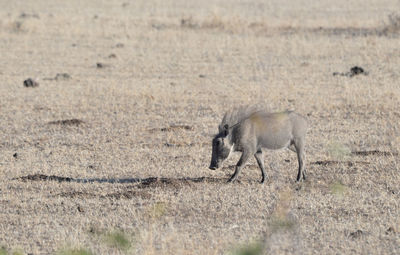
{"x":115,"y":160}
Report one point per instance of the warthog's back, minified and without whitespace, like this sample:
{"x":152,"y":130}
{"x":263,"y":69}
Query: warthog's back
{"x":271,"y":130}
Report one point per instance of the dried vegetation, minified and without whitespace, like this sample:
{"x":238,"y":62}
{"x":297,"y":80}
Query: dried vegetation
{"x":109,"y":154}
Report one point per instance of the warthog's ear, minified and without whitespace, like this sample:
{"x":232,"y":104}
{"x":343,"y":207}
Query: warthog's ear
{"x":226,"y":130}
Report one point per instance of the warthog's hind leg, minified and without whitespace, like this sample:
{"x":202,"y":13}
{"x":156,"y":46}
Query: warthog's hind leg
{"x":260,"y":160}
{"x":299,"y":145}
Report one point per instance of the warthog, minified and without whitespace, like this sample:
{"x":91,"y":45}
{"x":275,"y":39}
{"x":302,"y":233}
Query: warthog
{"x":249,"y":130}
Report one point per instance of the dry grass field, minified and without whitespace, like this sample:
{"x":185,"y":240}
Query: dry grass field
{"x":110,"y":153}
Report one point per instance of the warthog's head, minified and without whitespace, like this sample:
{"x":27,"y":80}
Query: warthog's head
{"x":221,"y":148}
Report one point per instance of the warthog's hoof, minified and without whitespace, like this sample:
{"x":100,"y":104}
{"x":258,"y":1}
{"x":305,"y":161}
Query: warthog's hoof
{"x":300,"y":179}
{"x":232,"y":180}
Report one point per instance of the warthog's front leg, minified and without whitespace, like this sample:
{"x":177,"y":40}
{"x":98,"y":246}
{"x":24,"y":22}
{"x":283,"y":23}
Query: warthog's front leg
{"x":260,"y":161}
{"x":243,"y":159}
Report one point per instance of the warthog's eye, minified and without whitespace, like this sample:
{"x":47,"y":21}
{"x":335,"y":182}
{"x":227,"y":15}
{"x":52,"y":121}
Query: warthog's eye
{"x":217,"y":142}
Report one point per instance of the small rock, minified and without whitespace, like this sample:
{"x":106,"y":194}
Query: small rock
{"x":119,"y":45}
{"x":390,"y":230}
{"x":356,"y":234}
{"x":355,"y":70}
{"x":202,"y":76}
{"x":15,"y":155}
{"x":59,"y":77}
{"x":112,"y":56}
{"x":158,"y":26}
{"x":17,"y":26}
{"x":68,"y":122}
{"x":26,"y":15}
{"x":62,"y":76}
{"x":101,"y":65}
{"x":188,"y":23}
{"x":30,"y":83}
{"x":80,"y":209}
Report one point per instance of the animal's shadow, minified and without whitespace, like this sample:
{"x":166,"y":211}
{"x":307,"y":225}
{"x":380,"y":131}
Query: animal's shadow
{"x":142,"y":181}
{"x":138,"y":182}
{"x":140,"y":187}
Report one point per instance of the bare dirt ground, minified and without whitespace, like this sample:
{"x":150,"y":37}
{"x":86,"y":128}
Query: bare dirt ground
{"x":109,"y":154}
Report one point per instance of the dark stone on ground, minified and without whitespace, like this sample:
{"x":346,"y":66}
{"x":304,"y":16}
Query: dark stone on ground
{"x":62,"y":76}
{"x":356,"y":234}
{"x":355,"y":70}
{"x":70,"y":122}
{"x":30,"y":83}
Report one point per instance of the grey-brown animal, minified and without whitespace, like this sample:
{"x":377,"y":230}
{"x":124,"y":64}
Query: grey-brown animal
{"x":249,"y":130}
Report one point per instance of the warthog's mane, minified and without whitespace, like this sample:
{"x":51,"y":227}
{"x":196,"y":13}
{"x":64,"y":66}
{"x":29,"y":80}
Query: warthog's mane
{"x":238,"y":114}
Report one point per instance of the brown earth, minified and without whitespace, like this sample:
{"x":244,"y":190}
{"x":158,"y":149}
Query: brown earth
{"x":110,"y":153}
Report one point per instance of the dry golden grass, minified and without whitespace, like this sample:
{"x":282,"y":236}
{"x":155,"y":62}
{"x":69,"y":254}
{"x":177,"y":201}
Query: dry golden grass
{"x":132,"y":136}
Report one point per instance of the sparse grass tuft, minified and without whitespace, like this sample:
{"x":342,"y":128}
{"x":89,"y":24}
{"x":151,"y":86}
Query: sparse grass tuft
{"x":393,"y":24}
{"x":214,"y":21}
{"x":338,"y":151}
{"x":3,"y":251}
{"x":254,"y":248}
{"x":157,"y":210}
{"x":281,"y":223}
{"x":75,"y":251}
{"x":119,"y":240}
{"x":338,"y":188}
{"x":112,"y":238}
{"x":280,"y":219}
